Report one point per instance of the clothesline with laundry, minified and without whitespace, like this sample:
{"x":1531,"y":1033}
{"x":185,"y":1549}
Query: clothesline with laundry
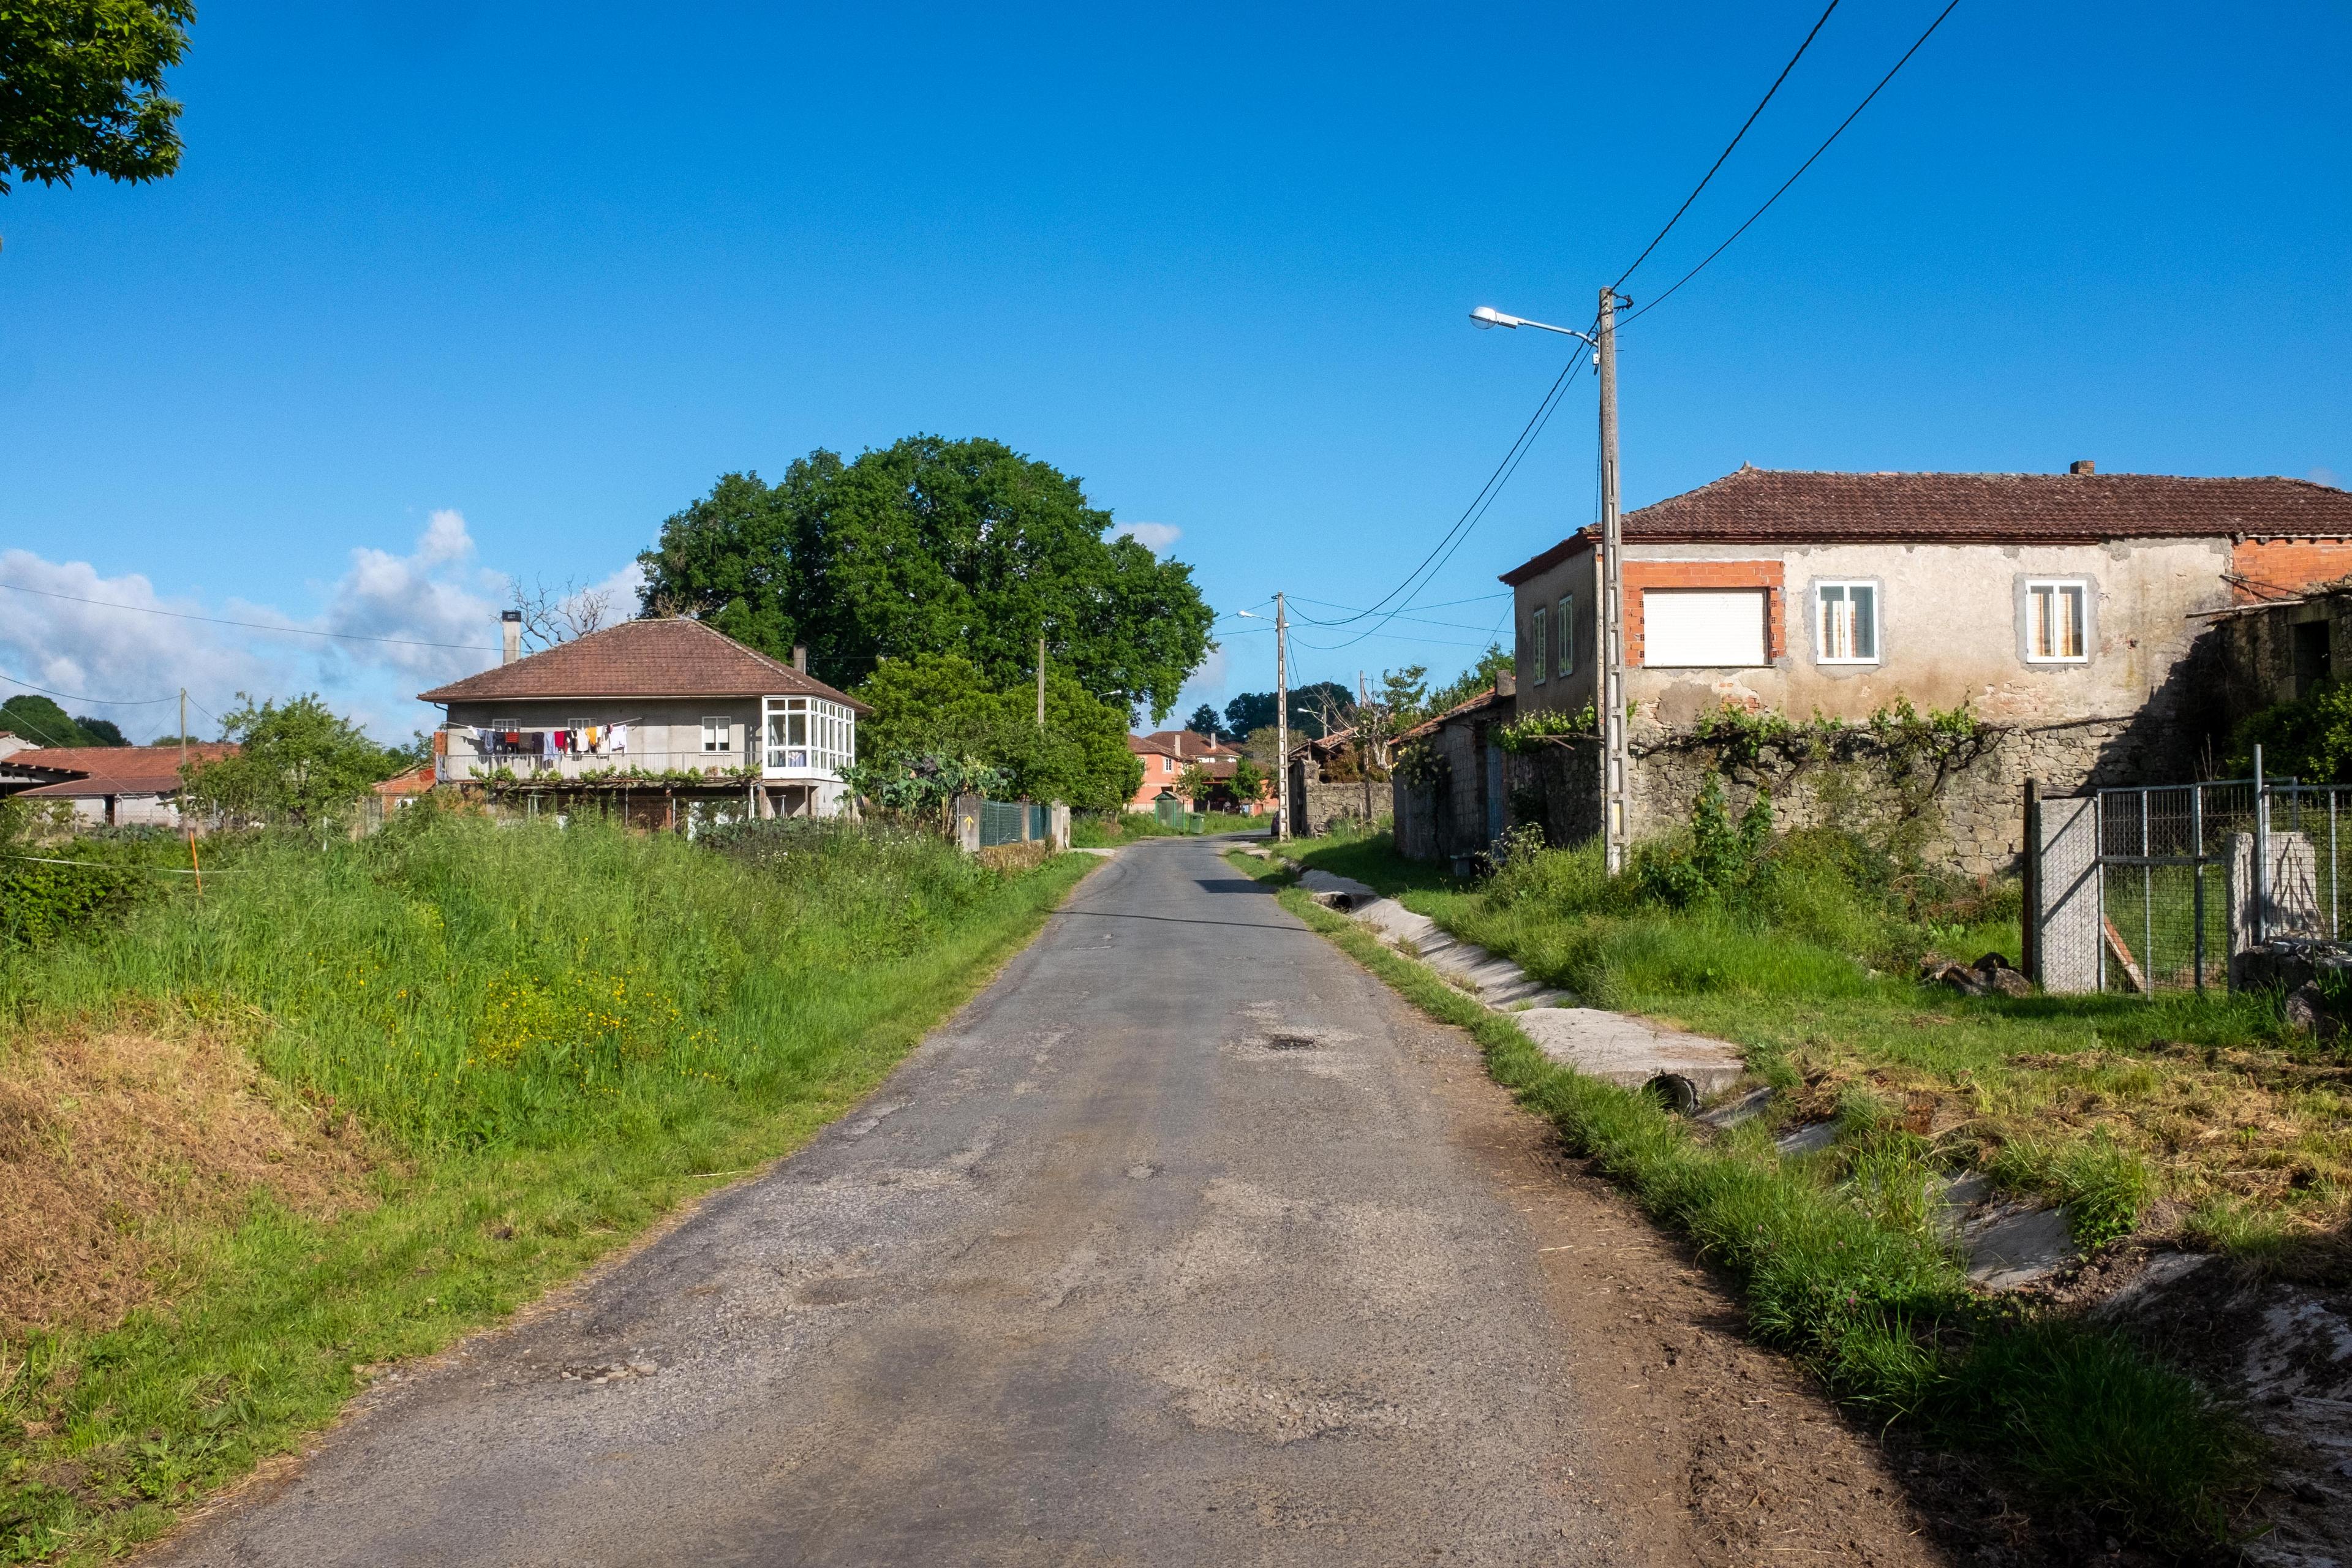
{"x":567,"y":741}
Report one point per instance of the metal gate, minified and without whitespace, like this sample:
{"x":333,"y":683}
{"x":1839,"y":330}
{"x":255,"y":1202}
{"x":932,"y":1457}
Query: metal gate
{"x":1003,"y":822}
{"x":2159,"y":888}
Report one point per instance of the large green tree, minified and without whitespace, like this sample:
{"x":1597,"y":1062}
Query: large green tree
{"x":933,"y":546}
{"x":37,"y":719}
{"x":81,"y":87}
{"x":299,"y":763}
{"x":942,"y":705}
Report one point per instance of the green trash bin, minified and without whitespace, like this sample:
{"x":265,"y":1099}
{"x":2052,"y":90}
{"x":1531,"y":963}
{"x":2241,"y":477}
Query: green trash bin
{"x":1169,"y":810}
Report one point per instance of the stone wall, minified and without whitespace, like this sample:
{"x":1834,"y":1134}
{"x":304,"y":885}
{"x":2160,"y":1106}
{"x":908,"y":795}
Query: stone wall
{"x":1556,"y":784}
{"x":1971,"y":818}
{"x":1318,"y":806}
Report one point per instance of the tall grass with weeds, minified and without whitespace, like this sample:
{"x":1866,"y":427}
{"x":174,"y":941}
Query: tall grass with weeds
{"x":552,"y":1036}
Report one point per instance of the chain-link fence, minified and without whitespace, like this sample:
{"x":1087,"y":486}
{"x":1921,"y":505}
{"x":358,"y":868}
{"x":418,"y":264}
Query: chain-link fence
{"x":2162,"y":887}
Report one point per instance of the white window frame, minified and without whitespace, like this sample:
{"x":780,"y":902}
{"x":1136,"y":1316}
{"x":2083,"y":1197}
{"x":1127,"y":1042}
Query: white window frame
{"x":717,"y":733}
{"x":2057,"y":588}
{"x":826,"y":742}
{"x":1536,"y":642}
{"x":1567,"y":627}
{"x":1846,"y":585}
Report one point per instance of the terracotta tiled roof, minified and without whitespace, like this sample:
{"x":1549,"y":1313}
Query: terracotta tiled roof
{"x":417,"y":780}
{"x":1487,"y":699}
{"x":668,"y":657}
{"x":109,"y":770}
{"x":1767,"y":506}
{"x":1182,"y":745}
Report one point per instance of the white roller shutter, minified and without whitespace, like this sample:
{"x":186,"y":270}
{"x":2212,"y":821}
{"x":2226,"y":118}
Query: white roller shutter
{"x":1705,"y":627}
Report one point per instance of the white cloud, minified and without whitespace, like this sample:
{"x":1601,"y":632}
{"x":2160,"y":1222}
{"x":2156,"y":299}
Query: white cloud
{"x":429,"y":596}
{"x":115,"y":663}
{"x":433,"y":610}
{"x":1207,"y":684}
{"x":1156,"y":536}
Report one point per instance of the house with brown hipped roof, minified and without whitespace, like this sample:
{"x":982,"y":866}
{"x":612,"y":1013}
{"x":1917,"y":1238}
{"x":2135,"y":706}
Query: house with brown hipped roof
{"x":2068,"y":615}
{"x":664,"y":716}
{"x":1166,"y":753}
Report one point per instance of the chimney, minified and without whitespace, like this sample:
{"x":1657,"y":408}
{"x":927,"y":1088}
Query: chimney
{"x":800,"y":656}
{"x":510,"y":635}
{"x":2082,"y":465}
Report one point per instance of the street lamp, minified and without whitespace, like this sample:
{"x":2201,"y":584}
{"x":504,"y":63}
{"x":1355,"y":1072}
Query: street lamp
{"x":1613,"y":763}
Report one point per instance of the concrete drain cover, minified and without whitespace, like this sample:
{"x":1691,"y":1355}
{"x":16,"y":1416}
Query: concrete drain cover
{"x":1291,"y":1042}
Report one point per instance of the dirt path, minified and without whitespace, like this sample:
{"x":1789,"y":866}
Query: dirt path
{"x":1188,"y":1242}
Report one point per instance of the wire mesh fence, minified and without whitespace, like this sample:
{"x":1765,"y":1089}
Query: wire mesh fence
{"x":2164,"y":887}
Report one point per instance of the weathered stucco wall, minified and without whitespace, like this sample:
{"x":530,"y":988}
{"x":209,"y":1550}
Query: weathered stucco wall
{"x":1573,"y":579}
{"x":1951,"y":624}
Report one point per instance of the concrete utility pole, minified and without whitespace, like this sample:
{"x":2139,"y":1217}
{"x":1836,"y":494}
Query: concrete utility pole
{"x":1613,"y":760}
{"x":1615,"y":766}
{"x":1282,"y":718}
{"x":1041,"y":681}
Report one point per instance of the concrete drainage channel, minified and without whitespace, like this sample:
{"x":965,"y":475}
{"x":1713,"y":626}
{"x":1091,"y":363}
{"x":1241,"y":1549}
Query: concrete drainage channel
{"x":2004,"y":1244}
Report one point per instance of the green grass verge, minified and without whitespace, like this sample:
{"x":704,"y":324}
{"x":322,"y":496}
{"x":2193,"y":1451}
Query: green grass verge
{"x":1867,"y":1298}
{"x":562,"y":1036}
{"x":2203,"y":1117}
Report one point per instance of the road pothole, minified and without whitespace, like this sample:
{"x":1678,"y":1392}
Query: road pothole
{"x":1293,"y":1042}
{"x":610,"y":1372}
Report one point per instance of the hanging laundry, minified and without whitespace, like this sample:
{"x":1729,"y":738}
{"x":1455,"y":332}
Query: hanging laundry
{"x":620,"y":737}
{"x":547,"y":745}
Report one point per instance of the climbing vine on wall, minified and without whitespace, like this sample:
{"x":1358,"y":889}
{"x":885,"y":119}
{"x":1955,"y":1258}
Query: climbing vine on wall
{"x":1893,"y":764}
{"x":1526,"y":734}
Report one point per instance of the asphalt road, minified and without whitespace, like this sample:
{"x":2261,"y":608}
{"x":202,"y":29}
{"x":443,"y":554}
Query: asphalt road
{"x":1161,"y":1252}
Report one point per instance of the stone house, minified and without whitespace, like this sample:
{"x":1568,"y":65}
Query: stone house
{"x":2065,"y":614}
{"x":1451,"y":791}
{"x":662,"y":715}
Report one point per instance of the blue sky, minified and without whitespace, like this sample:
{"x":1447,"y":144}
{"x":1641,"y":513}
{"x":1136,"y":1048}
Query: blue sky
{"x":446,"y":292}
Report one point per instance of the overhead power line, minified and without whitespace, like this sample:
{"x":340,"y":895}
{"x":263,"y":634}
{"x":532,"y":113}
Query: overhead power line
{"x":101,"y":701}
{"x":1475,"y":510}
{"x":1480,"y":508}
{"x":1807,"y":164}
{"x":250,"y":626}
{"x":1726,"y":151}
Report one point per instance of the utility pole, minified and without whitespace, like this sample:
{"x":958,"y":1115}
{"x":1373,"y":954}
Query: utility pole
{"x":184,"y":733}
{"x":1282,"y":717}
{"x":1613,"y":761}
{"x":1041,"y":681}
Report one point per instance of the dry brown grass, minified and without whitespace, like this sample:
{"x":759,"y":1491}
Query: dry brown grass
{"x":2246,"y":1126}
{"x":1015,"y":858}
{"x":112,"y":1138}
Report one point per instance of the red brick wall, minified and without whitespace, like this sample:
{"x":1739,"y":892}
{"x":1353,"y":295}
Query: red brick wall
{"x":2288,"y":565}
{"x":1765,"y":575}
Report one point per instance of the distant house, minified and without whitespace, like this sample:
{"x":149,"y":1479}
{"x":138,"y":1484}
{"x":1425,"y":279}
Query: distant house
{"x":2062,"y":610}
{"x":104,"y":787}
{"x":1166,"y":753}
{"x":665,"y":712}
